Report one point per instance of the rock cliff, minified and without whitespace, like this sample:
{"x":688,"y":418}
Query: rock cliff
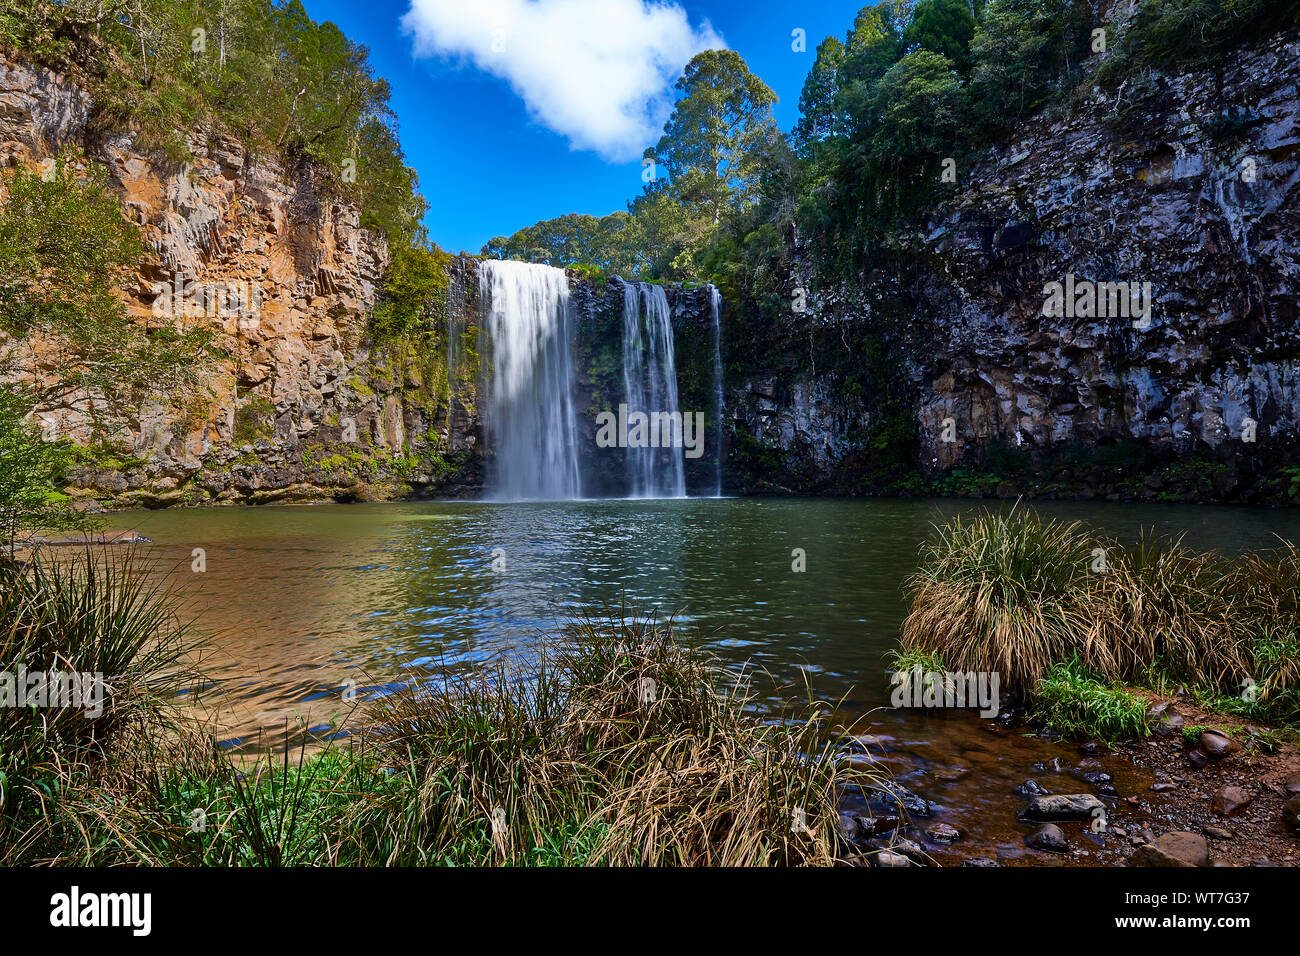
{"x":1188,"y":186}
{"x":300,"y":403}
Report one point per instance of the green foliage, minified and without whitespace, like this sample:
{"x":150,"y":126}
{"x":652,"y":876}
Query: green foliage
{"x":91,"y":615}
{"x":1170,"y":32}
{"x":606,"y":243}
{"x":944,"y":27}
{"x":259,"y":69}
{"x":715,"y":151}
{"x":817,"y":100}
{"x":413,"y":294}
{"x":253,"y":421}
{"x":581,"y":766}
{"x":714,"y":137}
{"x":1009,"y":593}
{"x":65,"y":245}
{"x":31,"y":472}
{"x":1078,"y":704}
{"x":1024,"y":52}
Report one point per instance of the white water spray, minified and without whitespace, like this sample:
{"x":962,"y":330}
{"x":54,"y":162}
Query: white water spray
{"x":530,"y":418}
{"x":715,"y":309}
{"x":650,"y":385}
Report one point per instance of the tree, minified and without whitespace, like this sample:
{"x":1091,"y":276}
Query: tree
{"x":817,"y":116}
{"x":920,"y":102}
{"x":944,"y":27}
{"x":65,"y":246}
{"x":711,"y":140}
{"x":1024,"y":50}
{"x":30,"y":473}
{"x":571,"y":240}
{"x":876,"y":41}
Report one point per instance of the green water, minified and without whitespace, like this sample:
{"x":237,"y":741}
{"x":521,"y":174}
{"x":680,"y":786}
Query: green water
{"x":304,"y":603}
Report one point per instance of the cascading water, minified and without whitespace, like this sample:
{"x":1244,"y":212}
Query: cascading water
{"x":715,"y":311}
{"x":650,"y":386}
{"x":530,"y":418}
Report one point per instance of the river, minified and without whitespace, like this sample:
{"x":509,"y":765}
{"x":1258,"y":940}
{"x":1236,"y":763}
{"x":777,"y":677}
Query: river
{"x":302,"y":604}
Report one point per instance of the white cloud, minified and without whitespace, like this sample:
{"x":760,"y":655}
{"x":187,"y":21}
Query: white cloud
{"x":599,"y":72}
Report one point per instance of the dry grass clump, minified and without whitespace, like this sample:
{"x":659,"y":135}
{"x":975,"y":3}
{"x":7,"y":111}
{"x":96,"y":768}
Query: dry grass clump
{"x":635,"y":748}
{"x":616,"y":745}
{"x":1007,"y":592}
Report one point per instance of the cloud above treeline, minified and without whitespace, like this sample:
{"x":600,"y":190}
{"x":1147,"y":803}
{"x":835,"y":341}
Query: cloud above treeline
{"x":598,"y":72}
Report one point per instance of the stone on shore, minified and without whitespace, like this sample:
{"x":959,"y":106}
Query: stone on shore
{"x":1176,"y":849}
{"x":1230,"y":801}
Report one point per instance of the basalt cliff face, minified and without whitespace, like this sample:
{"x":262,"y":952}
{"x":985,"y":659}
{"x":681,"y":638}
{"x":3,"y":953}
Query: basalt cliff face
{"x":301,"y":405}
{"x":1190,"y":184}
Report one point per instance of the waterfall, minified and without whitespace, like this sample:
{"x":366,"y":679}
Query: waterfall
{"x":715,"y":310}
{"x":529,"y":419}
{"x":650,"y":385}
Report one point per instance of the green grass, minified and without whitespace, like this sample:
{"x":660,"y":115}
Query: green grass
{"x":93,"y":614}
{"x":1078,"y":704}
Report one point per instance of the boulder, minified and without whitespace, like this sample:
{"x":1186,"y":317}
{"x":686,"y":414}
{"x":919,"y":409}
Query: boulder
{"x":1048,"y":837}
{"x":1218,"y":745}
{"x":848,"y":827}
{"x":1176,"y":849}
{"x":1291,"y":813}
{"x":1230,"y":801}
{"x":1076,"y":806}
{"x":888,"y":800}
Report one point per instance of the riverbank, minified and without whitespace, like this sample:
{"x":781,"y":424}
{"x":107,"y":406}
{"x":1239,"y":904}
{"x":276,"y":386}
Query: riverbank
{"x":616,"y":745}
{"x":368,"y":597}
{"x":1182,"y":661}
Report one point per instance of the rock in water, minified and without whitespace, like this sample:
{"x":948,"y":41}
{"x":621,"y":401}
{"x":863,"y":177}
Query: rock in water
{"x":1048,"y":837}
{"x":848,"y":827}
{"x":943,"y":833}
{"x":1076,"y":806}
{"x":888,"y":800}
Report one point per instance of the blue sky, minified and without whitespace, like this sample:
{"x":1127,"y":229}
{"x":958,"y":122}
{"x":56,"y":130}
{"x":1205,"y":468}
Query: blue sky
{"x":490,"y":162}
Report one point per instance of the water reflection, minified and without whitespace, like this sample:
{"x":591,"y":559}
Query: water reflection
{"x":300,"y":601}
